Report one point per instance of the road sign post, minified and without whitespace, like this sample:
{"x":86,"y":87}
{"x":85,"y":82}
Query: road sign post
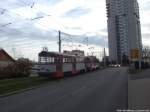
{"x":135,"y":56}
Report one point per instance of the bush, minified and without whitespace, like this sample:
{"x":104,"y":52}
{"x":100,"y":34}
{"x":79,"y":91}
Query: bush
{"x":20,"y":68}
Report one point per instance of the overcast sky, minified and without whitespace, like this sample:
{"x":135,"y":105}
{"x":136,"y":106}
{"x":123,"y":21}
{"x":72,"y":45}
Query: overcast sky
{"x":28,"y":25}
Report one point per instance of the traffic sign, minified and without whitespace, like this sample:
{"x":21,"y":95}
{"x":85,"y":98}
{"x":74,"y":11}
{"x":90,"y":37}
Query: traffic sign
{"x":135,"y":53}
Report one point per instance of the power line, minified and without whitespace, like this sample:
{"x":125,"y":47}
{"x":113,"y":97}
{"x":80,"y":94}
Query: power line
{"x":4,"y":25}
{"x":36,"y":18}
{"x":40,"y":17}
{"x":9,"y":23}
{"x":2,"y":11}
{"x":32,"y":5}
{"x":5,"y":11}
{"x":24,"y":2}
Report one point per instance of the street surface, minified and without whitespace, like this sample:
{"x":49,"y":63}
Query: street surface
{"x":139,"y":90}
{"x":98,"y":91}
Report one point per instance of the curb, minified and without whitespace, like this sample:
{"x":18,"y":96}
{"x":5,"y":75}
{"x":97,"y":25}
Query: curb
{"x":22,"y":90}
{"x":129,"y":105}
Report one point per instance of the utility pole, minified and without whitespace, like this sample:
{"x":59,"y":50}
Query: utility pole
{"x":59,"y":41}
{"x":87,"y":41}
{"x":140,"y":59}
{"x":104,"y":58}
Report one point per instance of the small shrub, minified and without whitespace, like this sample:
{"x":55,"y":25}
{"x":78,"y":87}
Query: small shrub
{"x":20,"y":68}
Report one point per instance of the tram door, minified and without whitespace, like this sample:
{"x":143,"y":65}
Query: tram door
{"x":59,"y":67}
{"x":74,"y":65}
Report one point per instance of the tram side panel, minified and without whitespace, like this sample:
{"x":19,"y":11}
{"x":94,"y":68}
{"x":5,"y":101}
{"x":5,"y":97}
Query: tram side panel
{"x":67,"y":69}
{"x":80,"y":67}
{"x":46,"y":69}
{"x":59,"y":69}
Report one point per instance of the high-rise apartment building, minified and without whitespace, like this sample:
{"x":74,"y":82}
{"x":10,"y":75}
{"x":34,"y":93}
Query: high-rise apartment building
{"x":124,"y":32}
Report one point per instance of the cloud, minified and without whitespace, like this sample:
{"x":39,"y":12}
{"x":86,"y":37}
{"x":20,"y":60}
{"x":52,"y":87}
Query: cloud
{"x":100,"y":41}
{"x":77,"y":12}
{"x":79,"y":18}
{"x":27,"y":30}
{"x":54,"y":2}
{"x":146,"y":35}
{"x":145,"y":24}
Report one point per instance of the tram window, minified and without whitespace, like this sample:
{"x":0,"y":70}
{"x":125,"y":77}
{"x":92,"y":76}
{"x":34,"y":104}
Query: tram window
{"x":43,"y":59}
{"x":73,"y":60}
{"x":63,"y":60}
{"x":69,"y":60}
{"x":46,"y":59}
{"x":80,"y":59}
{"x":58,"y":59}
{"x":77,"y":59}
{"x":49,"y":59}
{"x":53,"y":60}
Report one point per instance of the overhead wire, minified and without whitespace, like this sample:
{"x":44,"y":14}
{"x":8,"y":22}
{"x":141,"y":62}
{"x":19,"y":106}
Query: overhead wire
{"x":2,"y":11}
{"x":9,"y":14}
{"x":32,"y":19}
{"x":5,"y":11}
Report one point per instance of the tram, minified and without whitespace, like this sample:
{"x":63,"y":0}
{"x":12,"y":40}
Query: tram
{"x":58,"y":65}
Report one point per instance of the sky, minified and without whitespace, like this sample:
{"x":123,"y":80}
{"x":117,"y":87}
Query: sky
{"x":26,"y":26}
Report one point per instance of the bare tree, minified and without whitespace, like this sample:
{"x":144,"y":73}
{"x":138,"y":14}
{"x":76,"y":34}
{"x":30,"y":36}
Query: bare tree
{"x":20,"y":68}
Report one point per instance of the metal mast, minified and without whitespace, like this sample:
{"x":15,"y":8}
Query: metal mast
{"x":59,"y":41}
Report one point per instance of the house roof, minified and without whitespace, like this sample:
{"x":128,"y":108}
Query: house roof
{"x":4,"y":56}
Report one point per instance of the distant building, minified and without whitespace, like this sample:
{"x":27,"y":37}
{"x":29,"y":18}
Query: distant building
{"x":146,"y":55}
{"x":75,"y":52}
{"x":5,"y":58}
{"x":124,"y":31}
{"x":67,"y":52}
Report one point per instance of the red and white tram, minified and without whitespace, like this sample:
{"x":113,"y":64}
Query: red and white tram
{"x":56,"y":65}
{"x":91,"y":63}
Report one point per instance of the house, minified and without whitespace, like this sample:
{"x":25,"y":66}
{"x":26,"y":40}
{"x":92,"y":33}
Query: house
{"x":5,"y":58}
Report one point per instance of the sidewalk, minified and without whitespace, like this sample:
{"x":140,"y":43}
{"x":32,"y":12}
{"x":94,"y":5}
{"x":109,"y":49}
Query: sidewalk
{"x":139,"y":90}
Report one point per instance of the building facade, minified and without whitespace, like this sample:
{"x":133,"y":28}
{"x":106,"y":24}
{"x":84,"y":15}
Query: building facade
{"x":75,"y":52}
{"x":124,"y":32}
{"x":5,"y":58}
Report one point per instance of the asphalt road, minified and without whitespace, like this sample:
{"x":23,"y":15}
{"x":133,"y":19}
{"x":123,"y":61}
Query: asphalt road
{"x":98,"y":91}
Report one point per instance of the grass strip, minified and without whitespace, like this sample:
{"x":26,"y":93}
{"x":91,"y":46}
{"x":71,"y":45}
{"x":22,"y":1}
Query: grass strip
{"x":16,"y":84}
